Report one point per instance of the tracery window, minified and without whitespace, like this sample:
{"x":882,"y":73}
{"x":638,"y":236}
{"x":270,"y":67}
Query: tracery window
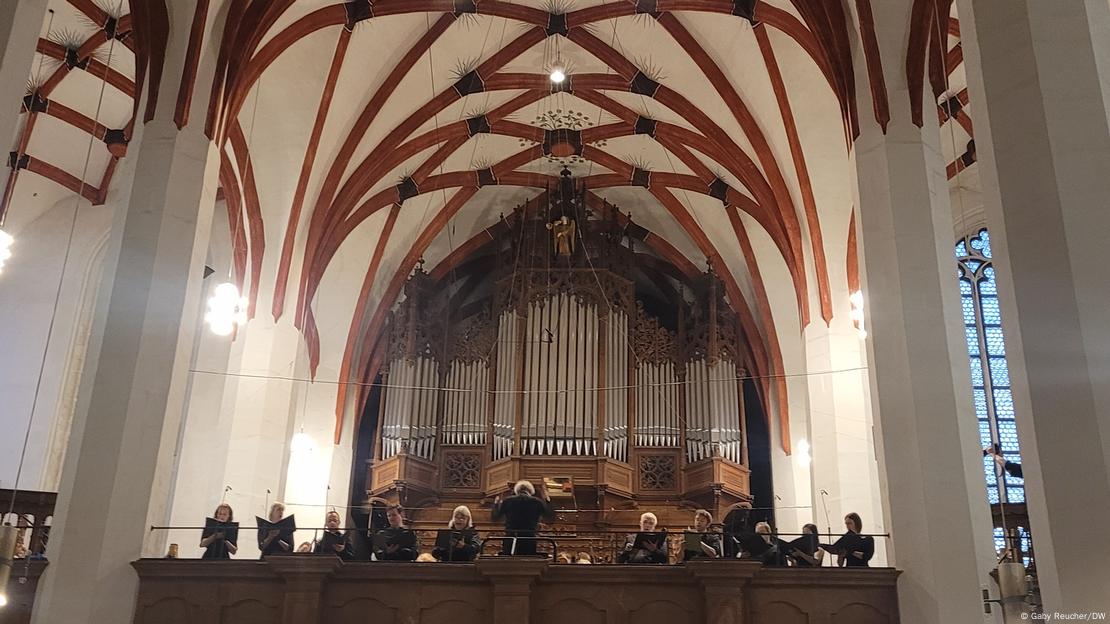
{"x":990,"y":374}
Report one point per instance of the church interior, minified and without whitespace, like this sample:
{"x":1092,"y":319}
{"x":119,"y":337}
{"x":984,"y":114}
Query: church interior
{"x":443,"y":298}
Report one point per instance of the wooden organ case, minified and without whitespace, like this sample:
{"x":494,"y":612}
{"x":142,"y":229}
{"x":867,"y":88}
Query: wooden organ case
{"x":554,"y":356}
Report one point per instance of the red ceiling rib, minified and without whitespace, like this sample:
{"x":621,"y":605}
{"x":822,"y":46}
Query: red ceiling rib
{"x":852,"y":259}
{"x":254,"y":212}
{"x":802,"y":170}
{"x":192,"y":60}
{"x":62,"y":177}
{"x":880,"y":101}
{"x":235,"y":220}
{"x":350,"y":143}
{"x":95,"y":68}
{"x":354,"y":333}
{"x":776,"y":379}
{"x":306,"y":170}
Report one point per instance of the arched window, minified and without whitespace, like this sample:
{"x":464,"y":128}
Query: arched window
{"x":990,"y":374}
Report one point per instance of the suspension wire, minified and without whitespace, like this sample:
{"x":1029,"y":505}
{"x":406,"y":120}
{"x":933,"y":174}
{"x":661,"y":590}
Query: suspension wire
{"x":61,"y":276}
{"x":590,"y":389}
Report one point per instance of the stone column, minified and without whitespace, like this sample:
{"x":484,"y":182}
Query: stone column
{"x":512,"y":581}
{"x":724,"y":584}
{"x":21,"y":23}
{"x":116,"y":479}
{"x":929,"y":458}
{"x":1039,"y":81}
{"x":304,"y":585}
{"x":843,"y":448}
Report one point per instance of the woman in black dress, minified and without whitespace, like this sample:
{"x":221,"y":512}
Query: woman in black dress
{"x":466,"y":546}
{"x":853,"y":550}
{"x":217,"y":545}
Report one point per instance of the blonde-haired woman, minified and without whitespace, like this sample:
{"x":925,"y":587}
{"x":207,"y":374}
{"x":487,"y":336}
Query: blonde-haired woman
{"x":462,"y":543}
{"x":272,"y":542}
{"x":647,"y":546}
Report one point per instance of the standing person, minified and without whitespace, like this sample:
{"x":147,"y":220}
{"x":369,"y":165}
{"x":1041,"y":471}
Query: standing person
{"x":522,"y":513}
{"x":220,"y":543}
{"x":738,"y":529}
{"x":461,"y":538}
{"x":706,"y":544}
{"x":1013,"y":468}
{"x":647,"y":546}
{"x":853,"y":550}
{"x":397,"y":543}
{"x":275,"y":541}
{"x":334,"y":541}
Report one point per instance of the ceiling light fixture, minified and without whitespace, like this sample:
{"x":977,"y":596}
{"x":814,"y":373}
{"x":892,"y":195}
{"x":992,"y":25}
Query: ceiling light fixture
{"x":804,"y":458}
{"x":227,"y":310}
{"x":856,"y":300}
{"x":558,"y":73}
{"x":6,"y":242}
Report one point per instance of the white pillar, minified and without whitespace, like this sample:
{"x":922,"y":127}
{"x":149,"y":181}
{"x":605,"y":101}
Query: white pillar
{"x":1039,"y":79}
{"x":119,"y":462}
{"x":845,"y":470}
{"x":921,"y":396}
{"x":20,"y":25}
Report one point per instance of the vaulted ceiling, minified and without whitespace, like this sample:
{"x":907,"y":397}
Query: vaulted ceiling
{"x":358,"y":137}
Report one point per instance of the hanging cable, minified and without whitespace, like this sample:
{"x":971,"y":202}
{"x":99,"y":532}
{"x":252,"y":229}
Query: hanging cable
{"x":61,"y":278}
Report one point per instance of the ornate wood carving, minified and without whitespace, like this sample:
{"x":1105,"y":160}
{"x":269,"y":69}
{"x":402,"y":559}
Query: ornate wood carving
{"x":651,"y":342}
{"x":462,"y":469}
{"x":658,"y":472}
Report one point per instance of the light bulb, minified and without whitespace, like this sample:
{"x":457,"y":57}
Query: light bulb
{"x":3,"y":600}
{"x":558,"y":75}
{"x":302,"y":443}
{"x":6,"y":242}
{"x":803,"y":456}
{"x":226,"y":310}
{"x":857,"y":299}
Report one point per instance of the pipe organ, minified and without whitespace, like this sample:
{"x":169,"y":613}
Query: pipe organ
{"x":563,"y":349}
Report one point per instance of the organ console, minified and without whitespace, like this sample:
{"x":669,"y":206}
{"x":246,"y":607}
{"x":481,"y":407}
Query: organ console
{"x":598,"y":360}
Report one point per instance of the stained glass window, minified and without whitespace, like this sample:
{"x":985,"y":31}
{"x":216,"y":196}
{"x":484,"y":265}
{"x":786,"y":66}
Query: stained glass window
{"x":990,"y":374}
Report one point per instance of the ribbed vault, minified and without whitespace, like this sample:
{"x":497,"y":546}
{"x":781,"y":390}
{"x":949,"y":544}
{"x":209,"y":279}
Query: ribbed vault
{"x":360,"y":137}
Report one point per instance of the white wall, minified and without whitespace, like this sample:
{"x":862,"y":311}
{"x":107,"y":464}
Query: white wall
{"x":28,"y":290}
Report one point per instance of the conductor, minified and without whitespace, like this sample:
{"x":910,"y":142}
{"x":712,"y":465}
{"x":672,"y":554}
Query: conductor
{"x":522,"y":513}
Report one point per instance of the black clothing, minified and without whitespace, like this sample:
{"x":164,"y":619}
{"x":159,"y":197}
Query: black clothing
{"x":635,"y":552}
{"x":522,"y":514}
{"x":216,"y":550}
{"x":228,"y":532}
{"x":850,"y":543}
{"x":283,"y":543}
{"x":806,"y":544}
{"x":1014,"y":468}
{"x":331,"y":539}
{"x":447,"y":550}
{"x":712,"y":540}
{"x":737,"y":526}
{"x":404,"y":539}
